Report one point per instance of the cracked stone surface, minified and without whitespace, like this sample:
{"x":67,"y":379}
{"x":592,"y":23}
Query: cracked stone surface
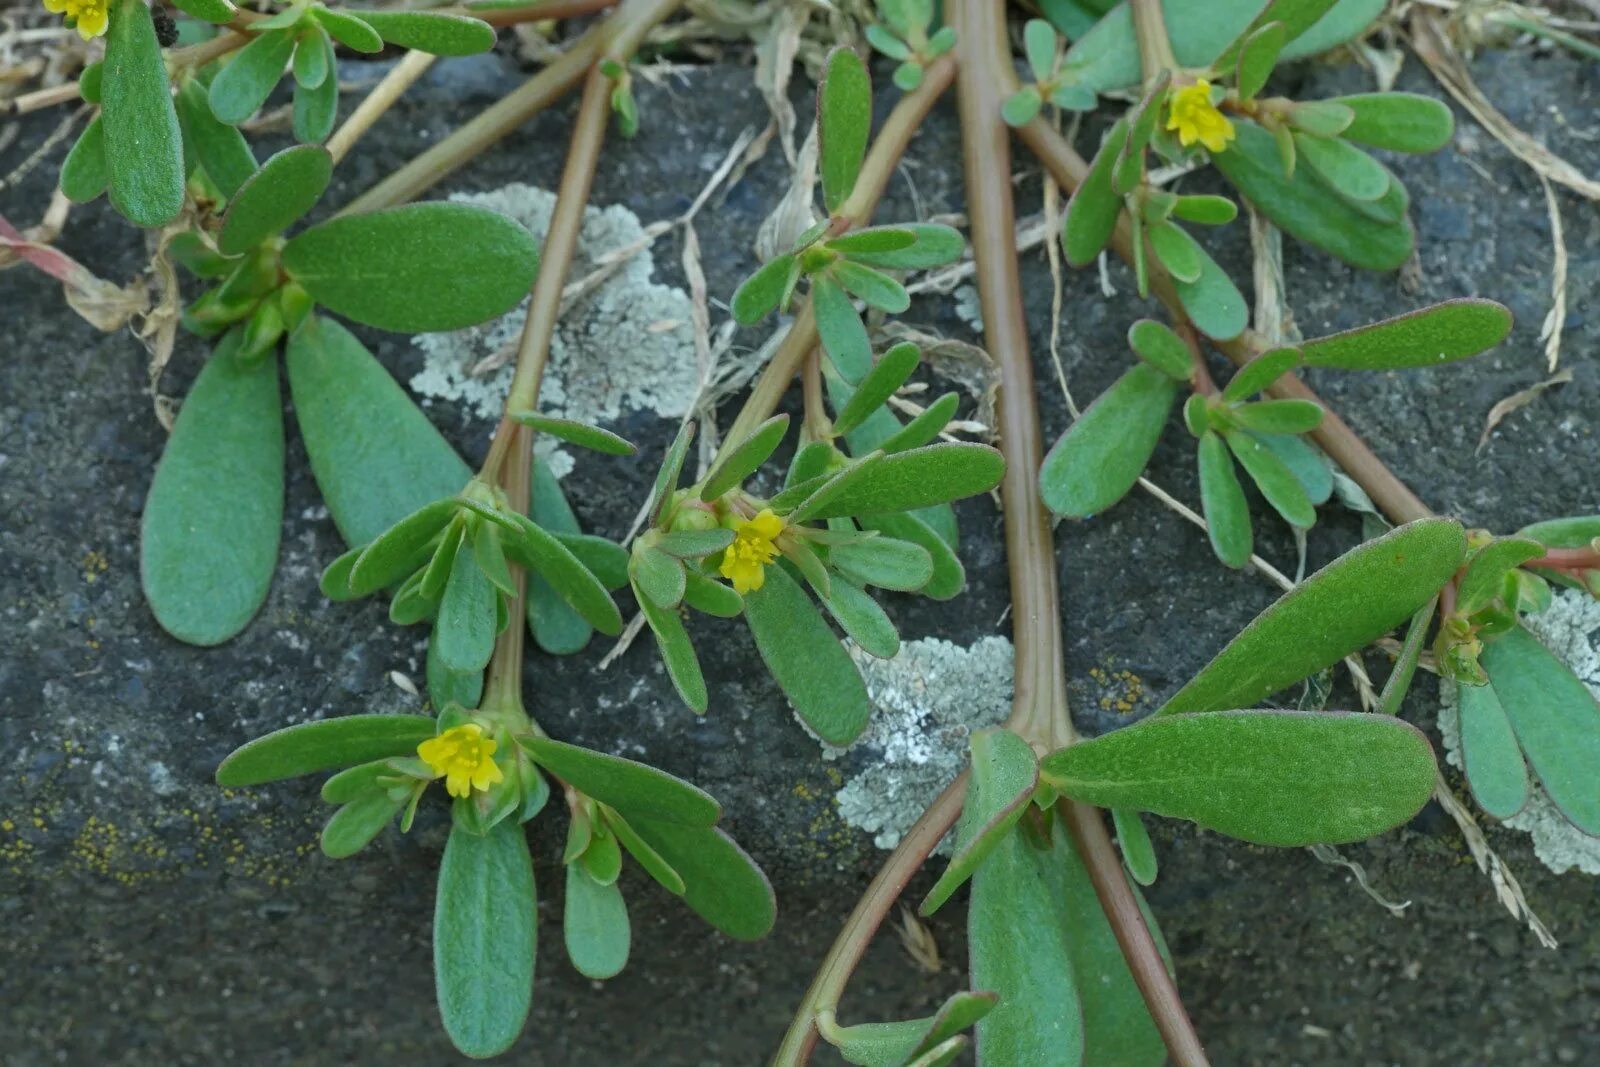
{"x":153,"y":919}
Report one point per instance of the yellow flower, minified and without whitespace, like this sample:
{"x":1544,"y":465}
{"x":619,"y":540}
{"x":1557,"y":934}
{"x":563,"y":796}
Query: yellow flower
{"x":1196,"y":118}
{"x":90,"y":15}
{"x":462,"y":757}
{"x":744,"y":562}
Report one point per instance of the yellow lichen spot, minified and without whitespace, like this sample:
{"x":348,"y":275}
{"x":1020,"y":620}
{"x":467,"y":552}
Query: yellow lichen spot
{"x":744,"y":563}
{"x":89,"y":16}
{"x":462,"y":756}
{"x":1196,"y":118}
{"x":7,"y":825}
{"x":94,"y":565}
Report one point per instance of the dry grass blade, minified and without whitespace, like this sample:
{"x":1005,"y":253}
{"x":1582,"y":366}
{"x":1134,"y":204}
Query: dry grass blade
{"x":1432,"y":45}
{"x":1520,"y":399}
{"x":1556,"y":319}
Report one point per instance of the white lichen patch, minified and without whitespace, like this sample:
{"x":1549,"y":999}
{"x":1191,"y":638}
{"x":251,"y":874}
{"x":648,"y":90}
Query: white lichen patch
{"x":927,"y":702}
{"x":1571,"y":630}
{"x":627,"y":345}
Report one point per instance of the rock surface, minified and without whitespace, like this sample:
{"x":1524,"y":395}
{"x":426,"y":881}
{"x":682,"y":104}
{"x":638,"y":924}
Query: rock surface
{"x":152,"y":919}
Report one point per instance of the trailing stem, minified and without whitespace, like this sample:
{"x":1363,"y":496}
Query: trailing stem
{"x":876,"y":169}
{"x":617,"y":36}
{"x":1040,"y":710}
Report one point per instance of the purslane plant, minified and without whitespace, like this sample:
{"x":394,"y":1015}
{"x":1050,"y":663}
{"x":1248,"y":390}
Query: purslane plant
{"x":1066,"y":963}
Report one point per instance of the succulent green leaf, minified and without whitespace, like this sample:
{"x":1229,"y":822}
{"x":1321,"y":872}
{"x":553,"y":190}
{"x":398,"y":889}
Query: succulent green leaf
{"x":1341,"y":609}
{"x":1309,"y":466}
{"x":1092,"y":212}
{"x":1279,"y":416}
{"x":1573,"y":531}
{"x":420,"y":267}
{"x":1485,"y":573}
{"x":1102,"y":454}
{"x":886,"y":42}
{"x":85,"y":173}
{"x":925,"y":427}
{"x":905,"y":481}
{"x":1400,"y":122}
{"x":351,"y":782}
{"x":1342,"y":165}
{"x":658,"y":576}
{"x":745,"y":458}
{"x":1018,"y":949}
{"x":1268,"y":777}
{"x":358,"y":821}
{"x":556,"y":627}
{"x":465,"y":629}
{"x":885,"y":562}
{"x":1320,"y":118}
{"x":315,"y":111}
{"x":323,"y":745}
{"x":143,"y":143}
{"x":1138,"y":854}
{"x":212,"y":519}
{"x":1295,"y":16}
{"x":897,"y":1044}
{"x":694,"y":544}
{"x":666,"y":482}
{"x":219,"y":148}
{"x":711,"y":597}
{"x":843,"y":334}
{"x":218,"y":12}
{"x":245,"y":82}
{"x":1258,"y":54}
{"x":1176,"y":251}
{"x":1222,"y":499}
{"x":1117,"y":1028}
{"x":861,"y":617}
{"x":376,"y":457}
{"x":722,"y":884}
{"x":647,"y":857}
{"x":349,"y":29}
{"x":632,"y":788}
{"x":806,"y":659}
{"x":1490,"y":756}
{"x":532,"y":547}
{"x":485,"y":927}
{"x":873,"y":239}
{"x":934,"y":245}
{"x":594,"y":438}
{"x":313,"y":57}
{"x":1426,"y":337}
{"x":1004,"y":773}
{"x":874,"y":288}
{"x":594,"y":923}
{"x":1260,"y":372}
{"x":764,"y":290}
{"x":677,"y":652}
{"x":286,"y":187}
{"x":1301,"y":206}
{"x":1039,"y":44}
{"x":949,"y":576}
{"x":1556,"y":719}
{"x":446,"y":686}
{"x":880,"y":383}
{"x":844,"y":123}
{"x":437,"y":32}
{"x":1206,"y":210}
{"x":1212,"y":301}
{"x":1164,"y":350}
{"x":1405,"y":664}
{"x":1020,"y":107}
{"x":399,"y":550}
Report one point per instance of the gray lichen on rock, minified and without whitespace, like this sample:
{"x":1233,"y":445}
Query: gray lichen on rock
{"x":1570,"y":628}
{"x":928,"y":700}
{"x":627,"y":345}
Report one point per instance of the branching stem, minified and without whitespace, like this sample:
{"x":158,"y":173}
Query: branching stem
{"x":870,"y":911}
{"x":884,"y":156}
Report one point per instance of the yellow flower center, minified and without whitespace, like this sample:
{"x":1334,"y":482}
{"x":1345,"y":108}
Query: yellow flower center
{"x":462,"y":756}
{"x":1196,"y":118}
{"x":90,"y":16}
{"x":744,"y":562}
